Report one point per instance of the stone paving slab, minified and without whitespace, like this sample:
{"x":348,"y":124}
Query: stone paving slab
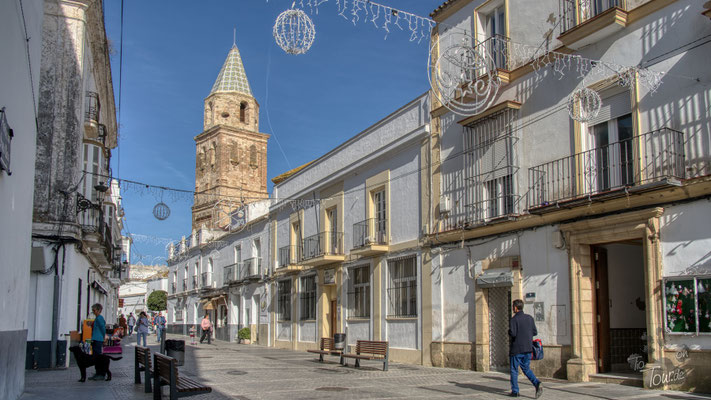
{"x":250,"y":372}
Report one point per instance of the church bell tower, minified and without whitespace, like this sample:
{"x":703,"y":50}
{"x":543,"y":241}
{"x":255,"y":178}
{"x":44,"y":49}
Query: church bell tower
{"x":230,"y":153}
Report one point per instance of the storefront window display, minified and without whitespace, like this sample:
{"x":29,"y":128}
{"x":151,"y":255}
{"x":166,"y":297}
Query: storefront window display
{"x":687,"y":305}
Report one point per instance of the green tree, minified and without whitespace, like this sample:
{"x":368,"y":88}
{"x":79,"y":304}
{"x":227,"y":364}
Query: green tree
{"x":157,"y":301}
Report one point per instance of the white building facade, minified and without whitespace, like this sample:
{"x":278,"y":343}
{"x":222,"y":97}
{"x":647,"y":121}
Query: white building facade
{"x":597,"y":225}
{"x":18,"y":133}
{"x":77,"y":250}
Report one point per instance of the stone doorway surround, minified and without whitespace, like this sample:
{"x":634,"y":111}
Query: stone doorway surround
{"x":482,"y":350}
{"x":579,"y":237}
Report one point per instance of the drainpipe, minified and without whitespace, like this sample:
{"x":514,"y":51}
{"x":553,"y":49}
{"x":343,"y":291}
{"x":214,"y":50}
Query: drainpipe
{"x":55,"y":309}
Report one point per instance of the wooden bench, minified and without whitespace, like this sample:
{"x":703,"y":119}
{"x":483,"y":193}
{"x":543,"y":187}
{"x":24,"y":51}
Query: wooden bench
{"x":369,"y":350}
{"x":327,"y":347}
{"x":165,"y":372}
{"x":142,"y":363}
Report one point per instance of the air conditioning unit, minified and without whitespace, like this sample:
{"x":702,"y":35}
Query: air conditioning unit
{"x":445,"y":204}
{"x":37,"y":261}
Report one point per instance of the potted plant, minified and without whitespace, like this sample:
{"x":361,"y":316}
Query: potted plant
{"x":245,"y":335}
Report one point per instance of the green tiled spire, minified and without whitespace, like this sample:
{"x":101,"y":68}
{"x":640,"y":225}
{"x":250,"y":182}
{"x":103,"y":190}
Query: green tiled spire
{"x":232,"y":77}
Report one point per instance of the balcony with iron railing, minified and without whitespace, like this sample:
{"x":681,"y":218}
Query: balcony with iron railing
{"x":206,"y":280}
{"x":92,"y":112}
{"x":370,"y":237}
{"x":587,"y":21}
{"x":251,"y":269}
{"x":496,"y":47}
{"x":289,"y":257}
{"x":231,"y":273}
{"x":323,"y":248}
{"x":648,"y":161}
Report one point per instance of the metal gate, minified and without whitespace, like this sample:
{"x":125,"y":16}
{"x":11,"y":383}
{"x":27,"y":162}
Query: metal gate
{"x":499,"y":314}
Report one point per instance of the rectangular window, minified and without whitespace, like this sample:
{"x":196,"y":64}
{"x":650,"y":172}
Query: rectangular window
{"x":284,"y":300}
{"x":402,"y":287}
{"x":307,"y":298}
{"x":238,"y":254}
{"x":490,"y":166}
{"x":380,"y":215}
{"x":687,"y":305}
{"x":6,"y":135}
{"x":359,"y":293}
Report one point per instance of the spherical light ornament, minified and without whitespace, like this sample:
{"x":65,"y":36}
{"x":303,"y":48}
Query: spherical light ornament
{"x":294,"y":31}
{"x":161,"y":211}
{"x":584,"y":105}
{"x":464,"y":77}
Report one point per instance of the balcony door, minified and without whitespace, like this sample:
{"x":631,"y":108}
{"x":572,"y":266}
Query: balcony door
{"x":611,"y":163}
{"x":332,"y":230}
{"x":608,"y":161}
{"x":495,"y":36}
{"x":380,"y":216}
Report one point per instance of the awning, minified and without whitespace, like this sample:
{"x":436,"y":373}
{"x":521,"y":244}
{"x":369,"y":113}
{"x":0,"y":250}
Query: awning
{"x":495,"y":279}
{"x":208,"y":306}
{"x":96,"y":285}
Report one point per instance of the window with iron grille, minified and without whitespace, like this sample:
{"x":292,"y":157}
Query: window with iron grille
{"x":359,"y":292}
{"x":284,"y":300}
{"x":490,"y":166}
{"x":307,"y":298}
{"x":402,"y":287}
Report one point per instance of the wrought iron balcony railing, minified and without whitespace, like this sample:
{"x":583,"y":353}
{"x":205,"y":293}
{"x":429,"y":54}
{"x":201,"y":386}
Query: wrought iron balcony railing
{"x":206,"y":280}
{"x":252,"y":267}
{"x":324,"y":243}
{"x":93,"y":107}
{"x":289,"y":255}
{"x":369,"y":232}
{"x":496,"y":46}
{"x":576,"y":12}
{"x":231,"y":273}
{"x":492,"y":208}
{"x":652,"y":157}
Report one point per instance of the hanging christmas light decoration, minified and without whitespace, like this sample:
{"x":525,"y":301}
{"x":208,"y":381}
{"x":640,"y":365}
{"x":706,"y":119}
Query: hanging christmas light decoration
{"x":161,"y":211}
{"x":584,"y":104}
{"x":464,"y":78}
{"x":294,"y":31}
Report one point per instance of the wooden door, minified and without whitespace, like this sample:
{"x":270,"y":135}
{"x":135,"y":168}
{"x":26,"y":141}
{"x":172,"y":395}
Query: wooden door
{"x":333,"y":317}
{"x":602,"y":309}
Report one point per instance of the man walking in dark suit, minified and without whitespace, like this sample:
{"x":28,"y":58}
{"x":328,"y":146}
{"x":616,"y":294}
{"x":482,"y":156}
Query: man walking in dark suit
{"x":522,"y":329}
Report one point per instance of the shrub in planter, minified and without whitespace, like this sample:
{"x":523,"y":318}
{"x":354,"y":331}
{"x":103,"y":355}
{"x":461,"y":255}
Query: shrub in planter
{"x":244,"y":335}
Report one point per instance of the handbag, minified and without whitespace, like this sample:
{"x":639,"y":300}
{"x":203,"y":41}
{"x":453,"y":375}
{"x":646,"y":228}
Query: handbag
{"x":537,"y":350}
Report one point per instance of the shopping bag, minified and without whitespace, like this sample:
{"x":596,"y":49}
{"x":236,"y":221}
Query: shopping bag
{"x":537,"y":350}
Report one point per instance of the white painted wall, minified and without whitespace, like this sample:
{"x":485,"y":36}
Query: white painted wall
{"x":18,"y":82}
{"x":307,"y":331}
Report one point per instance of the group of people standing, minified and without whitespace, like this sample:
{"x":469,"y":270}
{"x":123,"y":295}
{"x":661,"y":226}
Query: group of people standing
{"x":142,"y":326}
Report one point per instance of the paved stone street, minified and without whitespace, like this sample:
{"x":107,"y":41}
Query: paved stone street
{"x":252,"y":372}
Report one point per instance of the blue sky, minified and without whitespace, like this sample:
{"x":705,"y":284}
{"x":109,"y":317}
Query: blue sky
{"x":172,"y":52}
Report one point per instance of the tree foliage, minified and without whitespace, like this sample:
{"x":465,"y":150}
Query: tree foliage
{"x":157,"y":301}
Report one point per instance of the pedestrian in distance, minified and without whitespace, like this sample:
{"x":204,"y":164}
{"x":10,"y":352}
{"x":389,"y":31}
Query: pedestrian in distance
{"x":142,"y":329}
{"x":122,"y":325}
{"x":522,"y":329}
{"x":159,"y":322}
{"x":98,"y":330}
{"x":131,"y":321}
{"x":206,"y":326}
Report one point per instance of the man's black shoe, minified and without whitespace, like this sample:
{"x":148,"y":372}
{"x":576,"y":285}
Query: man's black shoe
{"x":539,"y":389}
{"x":513,"y":394}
